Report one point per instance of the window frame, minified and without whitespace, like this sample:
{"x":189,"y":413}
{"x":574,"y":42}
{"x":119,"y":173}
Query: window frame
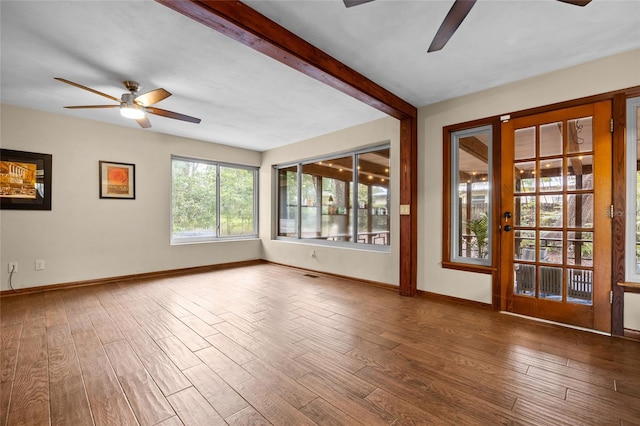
{"x":218,"y":237}
{"x":354,"y":154}
{"x":450,"y":213}
{"x":632,"y":106}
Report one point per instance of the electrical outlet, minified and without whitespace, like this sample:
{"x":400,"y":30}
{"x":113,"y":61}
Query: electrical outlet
{"x":13,"y":267}
{"x":39,"y":264}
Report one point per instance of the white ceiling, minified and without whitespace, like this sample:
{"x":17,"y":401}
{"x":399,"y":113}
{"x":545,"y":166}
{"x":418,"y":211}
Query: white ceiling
{"x":248,"y":100}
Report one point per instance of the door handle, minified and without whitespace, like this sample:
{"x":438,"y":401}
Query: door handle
{"x":507,"y":216}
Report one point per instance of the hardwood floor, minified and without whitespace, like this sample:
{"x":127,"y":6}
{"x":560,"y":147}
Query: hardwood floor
{"x":267,"y":344}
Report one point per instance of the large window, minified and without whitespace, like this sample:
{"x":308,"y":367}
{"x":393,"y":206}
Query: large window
{"x":468,"y":180}
{"x":212,"y":201}
{"x":632,"y":268}
{"x":342,"y":199}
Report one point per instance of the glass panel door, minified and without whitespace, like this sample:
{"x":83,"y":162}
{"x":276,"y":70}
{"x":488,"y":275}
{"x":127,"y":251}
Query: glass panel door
{"x":549,"y":224}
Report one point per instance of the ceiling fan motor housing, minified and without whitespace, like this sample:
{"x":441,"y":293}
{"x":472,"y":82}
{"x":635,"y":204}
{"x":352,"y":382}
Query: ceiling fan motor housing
{"x":132,"y":86}
{"x":127,"y":99}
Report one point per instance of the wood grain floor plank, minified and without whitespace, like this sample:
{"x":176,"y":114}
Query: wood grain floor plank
{"x":223,"y":366}
{"x":328,"y":370}
{"x":222,"y":397}
{"x":59,"y":335}
{"x":231,"y":349}
{"x":271,"y":406}
{"x":193,"y":409}
{"x":36,"y":415}
{"x":167,"y":376}
{"x":407,"y":414}
{"x":199,"y":326}
{"x":323,"y":413}
{"x":247,"y":417}
{"x":108,"y":403}
{"x":181,"y":356}
{"x":172,"y":421}
{"x":69,"y":403}
{"x":5,"y":399}
{"x":146,"y":399}
{"x":188,"y":337}
{"x":346,"y":401}
{"x":30,"y":387}
{"x":266,"y":344}
{"x":279,"y":383}
{"x":9,"y":345}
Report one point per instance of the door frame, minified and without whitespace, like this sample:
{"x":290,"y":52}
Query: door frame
{"x":618,"y":100}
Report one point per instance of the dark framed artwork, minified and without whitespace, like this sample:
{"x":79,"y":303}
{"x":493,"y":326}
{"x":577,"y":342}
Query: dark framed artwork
{"x":25,"y":180}
{"x":117,"y":180}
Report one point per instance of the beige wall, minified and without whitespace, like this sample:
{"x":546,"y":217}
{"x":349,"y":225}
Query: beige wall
{"x":357,"y":263}
{"x":612,"y":73}
{"x":84,"y":237}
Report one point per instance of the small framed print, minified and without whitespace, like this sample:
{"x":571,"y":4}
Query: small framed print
{"x":117,"y":180}
{"x":25,"y":180}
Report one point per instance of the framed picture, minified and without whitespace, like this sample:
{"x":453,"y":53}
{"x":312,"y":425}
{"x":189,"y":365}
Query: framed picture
{"x":117,"y":180}
{"x":25,"y":180}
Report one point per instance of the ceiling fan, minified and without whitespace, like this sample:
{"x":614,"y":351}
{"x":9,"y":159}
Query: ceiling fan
{"x":454,"y":18}
{"x":134,"y":106}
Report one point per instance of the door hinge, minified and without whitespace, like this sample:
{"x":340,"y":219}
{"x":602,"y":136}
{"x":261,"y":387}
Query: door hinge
{"x":611,"y":212}
{"x":611,"y":297}
{"x":611,"y":128}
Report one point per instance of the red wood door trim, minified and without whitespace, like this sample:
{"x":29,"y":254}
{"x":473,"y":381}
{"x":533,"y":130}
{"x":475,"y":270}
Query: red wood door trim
{"x":239,"y":22}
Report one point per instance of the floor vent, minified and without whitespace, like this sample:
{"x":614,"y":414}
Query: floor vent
{"x":310,"y":275}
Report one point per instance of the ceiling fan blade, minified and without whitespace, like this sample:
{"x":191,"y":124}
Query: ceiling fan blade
{"x":452,"y":21}
{"x":171,"y":114}
{"x":351,"y":3}
{"x":576,"y":2}
{"x":152,"y":97}
{"x":86,"y":88}
{"x":144,"y":122}
{"x":91,"y":106}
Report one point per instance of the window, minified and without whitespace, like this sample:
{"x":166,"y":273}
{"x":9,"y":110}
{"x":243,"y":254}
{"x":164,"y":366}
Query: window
{"x":468,"y":212}
{"x":342,"y":199}
{"x":632,"y":268}
{"x":212,"y":201}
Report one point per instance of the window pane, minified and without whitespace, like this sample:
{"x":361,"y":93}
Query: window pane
{"x":579,"y":133}
{"x":326,"y":210}
{"x":193,"y":204}
{"x":288,"y":201}
{"x":551,"y":139}
{"x":471,"y":179}
{"x":525,"y":245}
{"x":551,"y":175}
{"x":373,"y":197}
{"x":580,"y":172}
{"x":237,"y":195}
{"x":550,"y":284}
{"x":580,"y":250}
{"x":525,"y":143}
{"x":524,"y":210}
{"x":335,"y":208}
{"x":309,"y":206}
{"x":551,"y":210}
{"x":525,"y":177}
{"x":580,"y":211}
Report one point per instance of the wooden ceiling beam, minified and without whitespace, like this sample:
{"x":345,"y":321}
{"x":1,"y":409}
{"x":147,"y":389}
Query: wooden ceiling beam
{"x":247,"y":26}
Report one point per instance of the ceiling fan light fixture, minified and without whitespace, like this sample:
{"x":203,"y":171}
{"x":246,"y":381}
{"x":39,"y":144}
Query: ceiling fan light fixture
{"x":131,"y":111}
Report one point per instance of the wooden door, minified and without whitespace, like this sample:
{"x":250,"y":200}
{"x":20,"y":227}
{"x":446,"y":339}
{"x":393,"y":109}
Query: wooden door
{"x":555,"y":227}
